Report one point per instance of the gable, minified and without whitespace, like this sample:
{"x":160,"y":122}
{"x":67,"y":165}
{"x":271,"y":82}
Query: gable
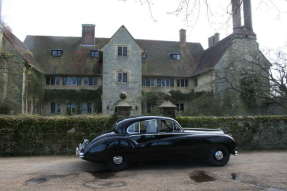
{"x":122,"y":36}
{"x":210,"y":57}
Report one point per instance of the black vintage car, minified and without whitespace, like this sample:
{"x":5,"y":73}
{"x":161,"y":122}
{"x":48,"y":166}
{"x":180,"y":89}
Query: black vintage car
{"x":157,"y":138}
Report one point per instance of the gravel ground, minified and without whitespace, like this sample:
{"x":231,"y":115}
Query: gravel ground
{"x":265,"y":171}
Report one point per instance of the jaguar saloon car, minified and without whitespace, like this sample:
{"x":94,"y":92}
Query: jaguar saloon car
{"x":157,"y":138}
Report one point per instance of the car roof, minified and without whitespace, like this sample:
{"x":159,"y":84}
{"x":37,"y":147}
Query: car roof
{"x":146,"y":117}
{"x":125,"y":122}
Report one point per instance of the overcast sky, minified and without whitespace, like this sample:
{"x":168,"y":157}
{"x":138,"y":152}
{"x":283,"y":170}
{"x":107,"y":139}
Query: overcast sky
{"x":64,"y":18}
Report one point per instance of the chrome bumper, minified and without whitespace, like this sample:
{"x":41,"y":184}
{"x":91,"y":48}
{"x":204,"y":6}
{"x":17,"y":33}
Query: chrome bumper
{"x":81,"y":147}
{"x":236,"y":153}
{"x":79,"y":153}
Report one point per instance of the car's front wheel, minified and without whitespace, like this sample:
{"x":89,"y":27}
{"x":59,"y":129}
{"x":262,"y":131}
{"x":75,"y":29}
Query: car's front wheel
{"x":118,"y":162}
{"x":219,"y":155}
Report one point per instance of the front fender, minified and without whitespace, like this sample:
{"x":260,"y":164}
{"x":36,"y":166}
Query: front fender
{"x":225,"y":140}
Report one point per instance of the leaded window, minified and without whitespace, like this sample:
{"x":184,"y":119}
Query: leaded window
{"x":175,"y":56}
{"x":122,"y":77}
{"x":53,"y":80}
{"x":94,"y":53}
{"x":57,"y":52}
{"x":71,"y":108}
{"x":150,"y":82}
{"x":180,"y":107}
{"x":122,"y":51}
{"x":182,"y":83}
{"x":55,"y":108}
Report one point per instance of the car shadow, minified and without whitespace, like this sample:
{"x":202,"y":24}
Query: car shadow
{"x":167,"y":165}
{"x":149,"y":165}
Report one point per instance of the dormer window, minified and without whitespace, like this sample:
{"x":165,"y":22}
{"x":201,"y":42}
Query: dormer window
{"x":175,"y":56}
{"x":94,"y":53}
{"x":57,"y":52}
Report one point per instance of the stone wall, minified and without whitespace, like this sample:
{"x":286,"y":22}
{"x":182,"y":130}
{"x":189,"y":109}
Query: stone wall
{"x":205,"y":82}
{"x":241,"y":59}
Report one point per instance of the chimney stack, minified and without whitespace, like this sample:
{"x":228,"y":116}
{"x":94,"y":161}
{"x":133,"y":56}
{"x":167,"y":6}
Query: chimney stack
{"x":88,"y":34}
{"x":247,"y":15}
{"x":182,"y":36}
{"x":213,"y":40}
{"x":236,"y":15}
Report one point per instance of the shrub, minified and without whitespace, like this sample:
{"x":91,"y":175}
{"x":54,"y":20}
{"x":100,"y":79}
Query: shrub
{"x":250,"y":132}
{"x":35,"y":135}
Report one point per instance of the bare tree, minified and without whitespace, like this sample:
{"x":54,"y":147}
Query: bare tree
{"x":192,"y":10}
{"x":257,"y":81}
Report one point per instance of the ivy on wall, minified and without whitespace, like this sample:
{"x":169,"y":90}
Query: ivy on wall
{"x":13,"y":65}
{"x":196,"y":99}
{"x":35,"y":81}
{"x":75,"y":96}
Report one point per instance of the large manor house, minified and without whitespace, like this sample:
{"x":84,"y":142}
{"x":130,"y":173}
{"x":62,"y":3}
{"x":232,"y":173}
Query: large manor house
{"x":83,"y":75}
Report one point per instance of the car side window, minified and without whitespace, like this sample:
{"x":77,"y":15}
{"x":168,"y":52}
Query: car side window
{"x":166,"y":126}
{"x":134,"y":128}
{"x":177,"y":127}
{"x":149,"y":126}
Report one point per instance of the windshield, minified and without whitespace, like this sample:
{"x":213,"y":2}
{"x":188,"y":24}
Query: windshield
{"x":115,"y":127}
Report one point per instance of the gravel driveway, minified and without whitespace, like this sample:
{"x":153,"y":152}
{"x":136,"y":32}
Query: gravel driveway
{"x":249,"y":171}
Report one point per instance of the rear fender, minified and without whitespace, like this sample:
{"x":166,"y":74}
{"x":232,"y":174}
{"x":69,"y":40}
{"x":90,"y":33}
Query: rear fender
{"x":120,"y":145}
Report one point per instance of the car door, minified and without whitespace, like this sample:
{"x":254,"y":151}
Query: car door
{"x":188,"y":145}
{"x":168,"y":139}
{"x":149,"y":143}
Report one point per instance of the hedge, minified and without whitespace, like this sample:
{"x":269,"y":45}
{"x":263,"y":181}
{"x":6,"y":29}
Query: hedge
{"x":250,"y":132}
{"x":37,"y":135}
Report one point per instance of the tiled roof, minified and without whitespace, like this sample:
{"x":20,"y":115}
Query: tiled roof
{"x":75,"y":60}
{"x":19,"y":47}
{"x":158,"y":62}
{"x":212,"y":55}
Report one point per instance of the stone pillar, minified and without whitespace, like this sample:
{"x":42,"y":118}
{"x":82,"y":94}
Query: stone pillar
{"x":247,"y":15}
{"x":123,"y":108}
{"x":167,"y":109}
{"x":236,"y":15}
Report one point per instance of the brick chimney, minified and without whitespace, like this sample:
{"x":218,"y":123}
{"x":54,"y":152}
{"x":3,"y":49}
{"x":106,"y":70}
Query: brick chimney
{"x":213,"y":40}
{"x":247,"y":15}
{"x":236,"y":15}
{"x":88,"y":34}
{"x":182,"y":36}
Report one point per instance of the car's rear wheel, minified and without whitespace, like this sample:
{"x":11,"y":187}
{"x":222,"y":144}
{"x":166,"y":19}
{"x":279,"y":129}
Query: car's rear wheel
{"x":219,"y":155}
{"x":118,"y":162}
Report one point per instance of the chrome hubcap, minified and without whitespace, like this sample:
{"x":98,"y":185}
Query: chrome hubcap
{"x":118,"y":159}
{"x":218,"y":155}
